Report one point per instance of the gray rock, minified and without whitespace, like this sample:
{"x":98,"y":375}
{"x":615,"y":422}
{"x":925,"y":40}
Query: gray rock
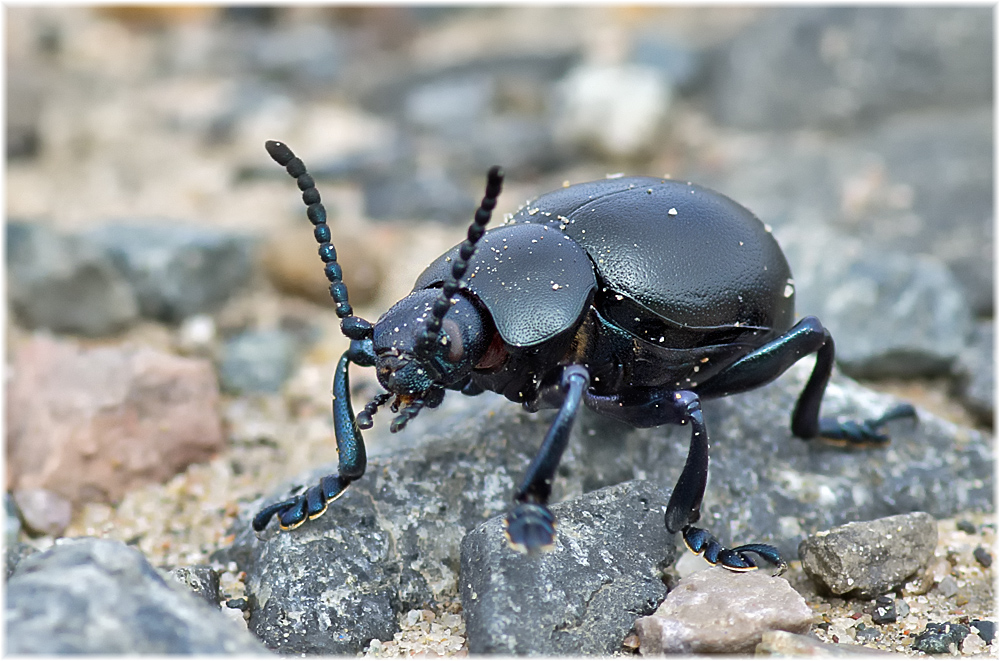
{"x":407,"y":192}
{"x":785,"y":644}
{"x":936,"y":194}
{"x":44,"y":512}
{"x":582,"y":597}
{"x":331,"y":587}
{"x":65,"y":284}
{"x":916,"y":183}
{"x":202,"y":580}
{"x":257,"y":361}
{"x":442,"y":103}
{"x":716,"y":611}
{"x":391,"y":542}
{"x":12,"y":520}
{"x":531,"y":73}
{"x":16,"y":552}
{"x":682,"y":67}
{"x":841,"y":66}
{"x":523,"y":143}
{"x":891,"y":314}
{"x":25,"y":93}
{"x":176,"y":270}
{"x":948,"y":586}
{"x":974,"y":380}
{"x":95,"y":596}
{"x":867,"y":559}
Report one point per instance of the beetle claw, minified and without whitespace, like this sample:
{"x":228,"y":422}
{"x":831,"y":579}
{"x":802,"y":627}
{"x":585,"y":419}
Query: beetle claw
{"x":701,"y":542}
{"x":859,"y":434}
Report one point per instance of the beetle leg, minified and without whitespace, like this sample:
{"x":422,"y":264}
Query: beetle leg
{"x":294,"y":511}
{"x":771,"y":360}
{"x":531,"y":526}
{"x":684,"y":507}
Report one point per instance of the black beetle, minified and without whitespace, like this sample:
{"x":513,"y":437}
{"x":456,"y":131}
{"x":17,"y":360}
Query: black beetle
{"x":636,"y":296}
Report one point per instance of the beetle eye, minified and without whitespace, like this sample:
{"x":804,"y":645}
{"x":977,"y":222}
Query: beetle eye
{"x":451,"y":330}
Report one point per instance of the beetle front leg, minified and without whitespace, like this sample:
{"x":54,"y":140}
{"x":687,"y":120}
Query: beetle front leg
{"x":531,"y":526}
{"x":294,"y":511}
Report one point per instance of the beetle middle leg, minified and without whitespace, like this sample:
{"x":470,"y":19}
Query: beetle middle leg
{"x":531,"y":526}
{"x":652,"y":407}
{"x":771,"y":360}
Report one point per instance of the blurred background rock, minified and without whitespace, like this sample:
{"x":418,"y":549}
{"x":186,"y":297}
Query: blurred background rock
{"x":864,"y":131}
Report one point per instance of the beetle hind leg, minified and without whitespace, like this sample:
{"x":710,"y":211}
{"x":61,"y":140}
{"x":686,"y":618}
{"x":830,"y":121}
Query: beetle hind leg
{"x":771,"y":360}
{"x":531,"y":527}
{"x":867,"y":432}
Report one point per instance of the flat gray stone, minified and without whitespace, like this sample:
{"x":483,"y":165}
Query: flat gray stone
{"x":582,"y":597}
{"x":177,"y":270}
{"x":64,"y":284}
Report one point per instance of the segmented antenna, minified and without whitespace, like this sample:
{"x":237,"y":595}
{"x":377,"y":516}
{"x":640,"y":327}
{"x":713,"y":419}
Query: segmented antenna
{"x":364,"y":418}
{"x":432,"y":331}
{"x":353,"y":327}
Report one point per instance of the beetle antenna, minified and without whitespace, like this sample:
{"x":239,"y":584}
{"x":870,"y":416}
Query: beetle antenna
{"x":364,"y":418}
{"x":432,"y":331}
{"x":353,"y":327}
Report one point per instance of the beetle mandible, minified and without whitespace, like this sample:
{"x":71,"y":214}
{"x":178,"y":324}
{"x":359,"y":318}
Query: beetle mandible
{"x":636,"y":296}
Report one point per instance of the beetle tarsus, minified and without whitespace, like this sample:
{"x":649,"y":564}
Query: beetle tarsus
{"x":701,"y":542}
{"x":859,"y":434}
{"x":295,"y":511}
{"x":530,"y":528}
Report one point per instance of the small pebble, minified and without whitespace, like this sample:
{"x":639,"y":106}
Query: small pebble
{"x":43,"y":512}
{"x":948,"y":586}
{"x":983,"y":556}
{"x":939,"y":638}
{"x":902,"y":608}
{"x":885,"y":610}
{"x":863,"y":634}
{"x":985,"y":628}
{"x":966,"y":526}
{"x":973,"y":644}
{"x":239,"y":604}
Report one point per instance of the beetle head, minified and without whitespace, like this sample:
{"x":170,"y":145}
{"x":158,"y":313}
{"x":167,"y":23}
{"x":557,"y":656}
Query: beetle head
{"x":416,"y":376}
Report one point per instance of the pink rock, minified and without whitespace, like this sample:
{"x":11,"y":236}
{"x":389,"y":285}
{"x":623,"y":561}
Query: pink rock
{"x":716,"y":611}
{"x":90,"y":424}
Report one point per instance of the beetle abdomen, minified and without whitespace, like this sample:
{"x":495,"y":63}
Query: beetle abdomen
{"x":689,"y":254}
